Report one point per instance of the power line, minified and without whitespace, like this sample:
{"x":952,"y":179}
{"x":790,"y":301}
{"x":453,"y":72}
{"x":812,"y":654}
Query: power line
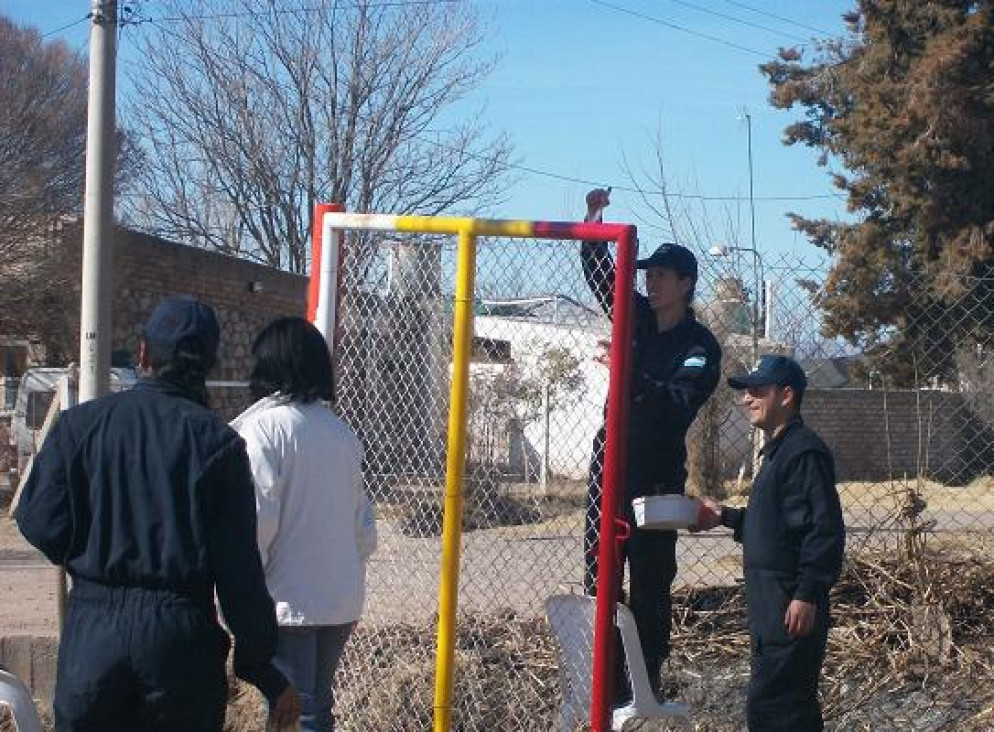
{"x":67,"y":26}
{"x":538,"y":171}
{"x":627,"y":189}
{"x":798,"y":23}
{"x":732,"y":18}
{"x":674,"y":26}
{"x":324,"y":7}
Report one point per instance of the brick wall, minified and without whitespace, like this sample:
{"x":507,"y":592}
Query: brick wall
{"x":147,"y":268}
{"x":954,"y":446}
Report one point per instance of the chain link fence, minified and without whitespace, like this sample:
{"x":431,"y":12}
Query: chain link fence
{"x":908,"y":418}
{"x":536,"y":399}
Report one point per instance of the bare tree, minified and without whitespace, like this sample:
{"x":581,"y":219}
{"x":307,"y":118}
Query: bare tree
{"x":251,"y":117}
{"x":43,"y":97}
{"x":42,"y":141}
{"x":699,"y":224}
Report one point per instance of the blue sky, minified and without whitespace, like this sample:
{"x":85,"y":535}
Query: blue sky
{"x":580,"y":84}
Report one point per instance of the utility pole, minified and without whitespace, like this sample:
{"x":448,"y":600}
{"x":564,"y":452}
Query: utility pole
{"x":757,"y":292}
{"x":98,"y":205}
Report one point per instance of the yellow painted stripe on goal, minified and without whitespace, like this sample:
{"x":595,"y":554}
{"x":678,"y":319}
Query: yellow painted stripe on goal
{"x":455,"y":225}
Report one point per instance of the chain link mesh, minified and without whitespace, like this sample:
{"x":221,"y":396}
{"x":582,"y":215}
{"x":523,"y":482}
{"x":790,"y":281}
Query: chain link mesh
{"x":535,"y":402}
{"x":908,"y":419}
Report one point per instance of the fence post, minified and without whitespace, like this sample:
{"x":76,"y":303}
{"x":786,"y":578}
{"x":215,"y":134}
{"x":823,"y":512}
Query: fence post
{"x":462,"y":338}
{"x":544,"y":469}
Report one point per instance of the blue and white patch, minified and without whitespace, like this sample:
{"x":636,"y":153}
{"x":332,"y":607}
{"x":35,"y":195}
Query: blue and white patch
{"x":695,"y":362}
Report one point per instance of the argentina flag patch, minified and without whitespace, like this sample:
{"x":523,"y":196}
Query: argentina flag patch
{"x":695,"y":362}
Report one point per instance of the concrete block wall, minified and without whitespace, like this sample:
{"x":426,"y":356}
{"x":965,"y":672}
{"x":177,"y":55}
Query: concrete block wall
{"x":33,"y":660}
{"x":876,"y":435}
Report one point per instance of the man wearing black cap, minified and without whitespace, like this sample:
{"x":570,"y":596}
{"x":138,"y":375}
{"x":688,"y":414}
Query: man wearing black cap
{"x":676,"y":363}
{"x":146,"y":498}
{"x":793,"y":541}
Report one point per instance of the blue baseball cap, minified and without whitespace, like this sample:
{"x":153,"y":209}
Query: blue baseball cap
{"x":673,"y":257}
{"x":775,"y":370}
{"x":183,"y":327}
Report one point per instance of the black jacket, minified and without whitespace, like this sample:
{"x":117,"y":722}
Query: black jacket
{"x":793,"y":523}
{"x":674,"y":373}
{"x":148,"y":488}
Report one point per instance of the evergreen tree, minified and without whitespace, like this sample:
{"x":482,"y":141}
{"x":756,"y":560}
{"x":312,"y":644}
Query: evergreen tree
{"x":904,"y":106}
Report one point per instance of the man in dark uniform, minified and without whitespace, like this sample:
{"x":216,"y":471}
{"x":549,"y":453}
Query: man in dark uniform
{"x":793,"y":541}
{"x":676,"y":363}
{"x":146,"y":498}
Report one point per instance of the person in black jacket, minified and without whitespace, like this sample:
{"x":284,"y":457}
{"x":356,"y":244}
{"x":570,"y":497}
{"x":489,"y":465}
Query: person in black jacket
{"x":793,"y":540}
{"x":146,"y":498}
{"x":676,"y":363}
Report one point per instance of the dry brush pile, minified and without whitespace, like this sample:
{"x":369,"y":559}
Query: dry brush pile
{"x":898,"y":658}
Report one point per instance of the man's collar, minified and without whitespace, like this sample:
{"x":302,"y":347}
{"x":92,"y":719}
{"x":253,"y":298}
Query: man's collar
{"x":155,"y":383}
{"x":773,"y":444}
{"x":680,"y":325}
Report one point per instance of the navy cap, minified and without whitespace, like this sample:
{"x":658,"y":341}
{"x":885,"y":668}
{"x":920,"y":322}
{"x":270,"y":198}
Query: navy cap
{"x":671,"y":256}
{"x":776,"y":370}
{"x":181,"y":326}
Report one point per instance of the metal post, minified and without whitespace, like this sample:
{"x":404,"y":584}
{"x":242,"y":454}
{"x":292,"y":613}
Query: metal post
{"x":613,"y":489}
{"x":752,"y":199}
{"x":768,"y":317}
{"x":98,"y":206}
{"x":544,"y":469}
{"x":462,"y":339}
{"x":757,"y":437}
{"x":314,"y":283}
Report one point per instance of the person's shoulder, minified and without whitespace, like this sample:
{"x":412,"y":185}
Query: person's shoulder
{"x":338,"y":429}
{"x":805,"y":440}
{"x":173,"y":412}
{"x":338,"y":425}
{"x":703,"y":335}
{"x":204,"y":424}
{"x":210,"y":423}
{"x":96,"y":410}
{"x":269,"y":421}
{"x":99,"y":405}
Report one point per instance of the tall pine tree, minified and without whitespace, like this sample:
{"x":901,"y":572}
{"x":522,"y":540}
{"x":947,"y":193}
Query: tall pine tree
{"x":904,"y":106}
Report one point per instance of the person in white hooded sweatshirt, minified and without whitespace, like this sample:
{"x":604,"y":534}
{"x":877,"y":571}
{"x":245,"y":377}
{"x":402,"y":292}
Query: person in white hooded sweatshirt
{"x":316,"y":526}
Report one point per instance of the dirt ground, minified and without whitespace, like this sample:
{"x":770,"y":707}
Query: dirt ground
{"x":506,"y":574}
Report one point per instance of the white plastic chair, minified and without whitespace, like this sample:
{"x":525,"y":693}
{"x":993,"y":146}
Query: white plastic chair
{"x":571,"y":618}
{"x":17,"y":698}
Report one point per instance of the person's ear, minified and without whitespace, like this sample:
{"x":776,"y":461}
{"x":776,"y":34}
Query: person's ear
{"x":787,"y":397}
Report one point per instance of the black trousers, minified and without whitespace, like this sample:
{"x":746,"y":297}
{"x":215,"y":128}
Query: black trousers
{"x":783,"y":684}
{"x":651,"y":557}
{"x":136,"y":659}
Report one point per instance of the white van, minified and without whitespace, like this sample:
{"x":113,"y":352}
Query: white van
{"x":34,"y":397}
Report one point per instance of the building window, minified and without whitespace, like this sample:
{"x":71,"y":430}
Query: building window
{"x":13,"y":358}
